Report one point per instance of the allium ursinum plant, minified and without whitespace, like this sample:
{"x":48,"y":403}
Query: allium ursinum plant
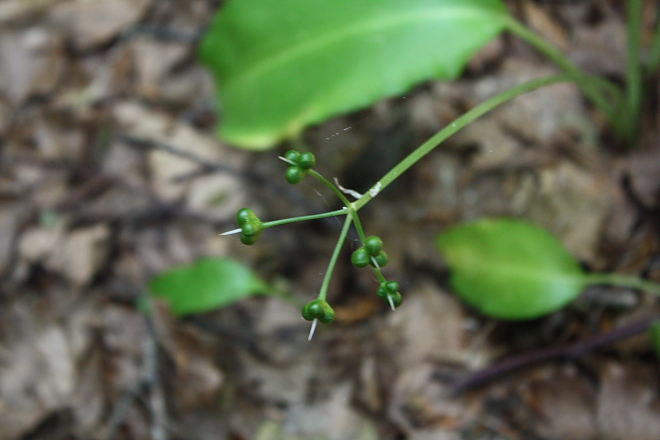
{"x":369,"y":254}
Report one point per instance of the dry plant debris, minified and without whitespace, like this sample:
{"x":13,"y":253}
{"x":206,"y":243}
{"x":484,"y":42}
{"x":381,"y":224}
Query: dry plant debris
{"x":110,"y":173}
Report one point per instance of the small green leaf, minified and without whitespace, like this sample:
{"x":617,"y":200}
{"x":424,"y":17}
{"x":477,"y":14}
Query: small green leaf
{"x":510,"y":269}
{"x":208,"y":284}
{"x":281,"y":65}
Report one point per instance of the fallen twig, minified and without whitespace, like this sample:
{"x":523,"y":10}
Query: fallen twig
{"x":565,"y":352}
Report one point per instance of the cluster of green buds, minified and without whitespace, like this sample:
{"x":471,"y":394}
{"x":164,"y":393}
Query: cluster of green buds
{"x":318,"y":309}
{"x":370,"y":253}
{"x":299,"y":165}
{"x":250,"y":225}
{"x":389,"y":291}
{"x":315,"y":311}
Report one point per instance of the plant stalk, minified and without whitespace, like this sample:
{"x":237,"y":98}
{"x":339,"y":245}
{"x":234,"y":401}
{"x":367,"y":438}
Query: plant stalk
{"x":327,"y":183}
{"x":452,"y":128}
{"x":335,"y":256}
{"x":630,"y":281}
{"x":604,"y":94}
{"x":304,"y":218}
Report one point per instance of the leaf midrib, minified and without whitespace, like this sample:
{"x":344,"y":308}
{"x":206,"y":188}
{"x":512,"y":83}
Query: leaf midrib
{"x":394,"y":20}
{"x":530,"y":273}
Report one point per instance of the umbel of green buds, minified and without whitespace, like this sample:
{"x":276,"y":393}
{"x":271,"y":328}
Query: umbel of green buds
{"x":370,"y":253}
{"x":299,"y":165}
{"x":251,"y":226}
{"x":318,"y":309}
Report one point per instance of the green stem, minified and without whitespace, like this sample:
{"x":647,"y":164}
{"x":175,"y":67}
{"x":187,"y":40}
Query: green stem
{"x":358,"y":225}
{"x":624,"y":281}
{"x":592,"y":86}
{"x":352,"y":211}
{"x":452,"y":128}
{"x":327,"y":183}
{"x":335,"y":256}
{"x":379,"y":275}
{"x":634,"y":72}
{"x":304,"y":218}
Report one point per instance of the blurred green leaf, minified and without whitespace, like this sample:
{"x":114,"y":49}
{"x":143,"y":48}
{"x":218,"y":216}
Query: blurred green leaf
{"x":208,"y":284}
{"x":510,"y":269}
{"x":281,"y":65}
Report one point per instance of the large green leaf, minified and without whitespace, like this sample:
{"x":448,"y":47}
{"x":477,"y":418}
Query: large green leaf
{"x":510,"y":269}
{"x":280,"y":65}
{"x":208,"y":284}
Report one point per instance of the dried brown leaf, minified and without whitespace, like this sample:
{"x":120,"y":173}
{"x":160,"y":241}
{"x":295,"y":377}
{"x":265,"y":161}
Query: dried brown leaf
{"x":30,"y":63}
{"x":95,"y":22}
{"x":628,"y":403}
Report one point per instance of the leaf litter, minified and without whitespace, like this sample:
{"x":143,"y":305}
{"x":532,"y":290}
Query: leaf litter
{"x":93,"y":206}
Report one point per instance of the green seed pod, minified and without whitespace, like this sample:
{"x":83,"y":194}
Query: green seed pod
{"x":251,"y":226}
{"x":312,"y":311}
{"x":373,"y":245}
{"x":292,"y":155}
{"x":391,"y":286}
{"x":328,"y":315}
{"x":306,"y":161}
{"x":249,"y":239}
{"x":388,"y":288}
{"x":360,"y":258}
{"x":294,"y":175}
{"x":381,"y":259}
{"x":318,"y":309}
{"x":244,"y":215}
{"x":397,"y":299}
{"x":251,"y":229}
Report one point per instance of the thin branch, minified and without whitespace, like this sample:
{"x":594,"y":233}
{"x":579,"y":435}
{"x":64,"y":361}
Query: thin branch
{"x":565,"y":352}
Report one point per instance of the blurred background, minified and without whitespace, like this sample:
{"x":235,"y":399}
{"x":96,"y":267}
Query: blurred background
{"x":110,"y":174}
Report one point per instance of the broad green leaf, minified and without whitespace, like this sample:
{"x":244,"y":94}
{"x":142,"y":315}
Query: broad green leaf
{"x":281,"y":65}
{"x":510,"y":269}
{"x":208,"y":284}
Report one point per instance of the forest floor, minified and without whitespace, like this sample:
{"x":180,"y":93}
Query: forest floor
{"x":110,"y":173}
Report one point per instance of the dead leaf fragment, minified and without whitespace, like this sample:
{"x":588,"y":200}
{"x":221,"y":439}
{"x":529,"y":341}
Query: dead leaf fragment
{"x":82,"y":254}
{"x":39,"y":243}
{"x":428,"y":325}
{"x":420,"y":402}
{"x":573,"y":204}
{"x":542,"y":22}
{"x":95,"y":22}
{"x":219,"y":195}
{"x":567,"y":403}
{"x":15,"y":10}
{"x":36,"y":378}
{"x":628,"y":403}
{"x":29,"y":63}
{"x":153,"y":61}
{"x":10,"y":216}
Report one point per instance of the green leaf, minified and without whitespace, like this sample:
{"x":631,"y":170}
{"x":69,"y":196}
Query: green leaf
{"x":281,"y":65}
{"x":510,"y":269}
{"x":208,"y":284}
